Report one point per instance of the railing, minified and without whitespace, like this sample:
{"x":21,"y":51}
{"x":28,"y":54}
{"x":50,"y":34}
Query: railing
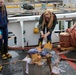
{"x":64,"y":21}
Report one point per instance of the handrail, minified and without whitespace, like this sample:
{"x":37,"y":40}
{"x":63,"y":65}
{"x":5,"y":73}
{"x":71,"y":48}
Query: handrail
{"x":70,"y":18}
{"x":36,"y":17}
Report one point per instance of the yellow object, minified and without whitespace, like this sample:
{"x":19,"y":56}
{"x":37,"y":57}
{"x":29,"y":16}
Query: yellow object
{"x":34,"y":57}
{"x":12,"y":6}
{"x":38,"y":58}
{"x":48,"y":46}
{"x":8,"y":55}
{"x":36,"y":30}
{"x":18,"y":6}
{"x":1,"y":67}
{"x":4,"y":56}
{"x":40,"y":44}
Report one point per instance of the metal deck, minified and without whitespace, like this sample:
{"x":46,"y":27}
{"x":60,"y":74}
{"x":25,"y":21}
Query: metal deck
{"x":13,"y":66}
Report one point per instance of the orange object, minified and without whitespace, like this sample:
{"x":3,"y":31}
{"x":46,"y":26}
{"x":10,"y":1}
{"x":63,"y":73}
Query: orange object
{"x":34,"y":57}
{"x":39,"y":58}
{"x":48,"y":46}
{"x":65,"y":39}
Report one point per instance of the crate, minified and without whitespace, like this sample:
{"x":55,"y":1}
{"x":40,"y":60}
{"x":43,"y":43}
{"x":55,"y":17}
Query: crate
{"x":64,"y":37}
{"x":65,"y":44}
{"x":35,"y":69}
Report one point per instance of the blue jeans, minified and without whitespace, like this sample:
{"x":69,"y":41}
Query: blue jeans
{"x":5,"y":39}
{"x":48,"y":37}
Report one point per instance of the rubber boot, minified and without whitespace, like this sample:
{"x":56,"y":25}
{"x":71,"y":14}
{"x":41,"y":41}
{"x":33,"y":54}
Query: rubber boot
{"x":1,"y":68}
{"x":3,"y":53}
{"x":6,"y":52}
{"x":50,"y":46}
{"x":49,"y":41}
{"x":40,"y":42}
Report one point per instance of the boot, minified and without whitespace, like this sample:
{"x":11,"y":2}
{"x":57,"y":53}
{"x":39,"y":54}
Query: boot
{"x":3,"y":53}
{"x":49,"y":41}
{"x":6,"y":52}
{"x":40,"y":42}
{"x":1,"y":68}
{"x":4,"y":57}
{"x":8,"y":55}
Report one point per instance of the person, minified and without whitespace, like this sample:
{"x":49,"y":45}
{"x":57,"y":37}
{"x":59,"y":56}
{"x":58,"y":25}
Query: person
{"x":4,"y":30}
{"x":47,"y":23}
{"x":0,"y":38}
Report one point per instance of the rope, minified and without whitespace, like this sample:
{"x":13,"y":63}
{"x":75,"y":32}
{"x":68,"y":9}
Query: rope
{"x":6,"y":63}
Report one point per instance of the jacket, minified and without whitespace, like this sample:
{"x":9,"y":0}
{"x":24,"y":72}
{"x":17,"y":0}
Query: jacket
{"x":53,"y":26}
{"x":3,"y":19}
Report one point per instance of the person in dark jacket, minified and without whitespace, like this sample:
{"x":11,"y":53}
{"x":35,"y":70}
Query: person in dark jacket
{"x":4,"y":29}
{"x":1,"y":38}
{"x":47,"y":23}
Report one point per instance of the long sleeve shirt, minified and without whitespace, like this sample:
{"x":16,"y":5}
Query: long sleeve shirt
{"x":3,"y":19}
{"x":53,"y":26}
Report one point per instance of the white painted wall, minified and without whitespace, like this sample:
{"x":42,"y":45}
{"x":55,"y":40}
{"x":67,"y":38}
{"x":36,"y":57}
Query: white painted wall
{"x":18,"y":24}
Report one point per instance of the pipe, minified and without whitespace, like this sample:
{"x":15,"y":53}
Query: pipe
{"x":36,"y":25}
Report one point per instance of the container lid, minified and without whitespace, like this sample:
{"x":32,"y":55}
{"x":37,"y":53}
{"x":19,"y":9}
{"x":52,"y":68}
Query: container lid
{"x":64,"y":34}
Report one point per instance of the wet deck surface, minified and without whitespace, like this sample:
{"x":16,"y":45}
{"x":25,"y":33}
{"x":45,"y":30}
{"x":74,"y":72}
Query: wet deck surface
{"x":13,"y":66}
